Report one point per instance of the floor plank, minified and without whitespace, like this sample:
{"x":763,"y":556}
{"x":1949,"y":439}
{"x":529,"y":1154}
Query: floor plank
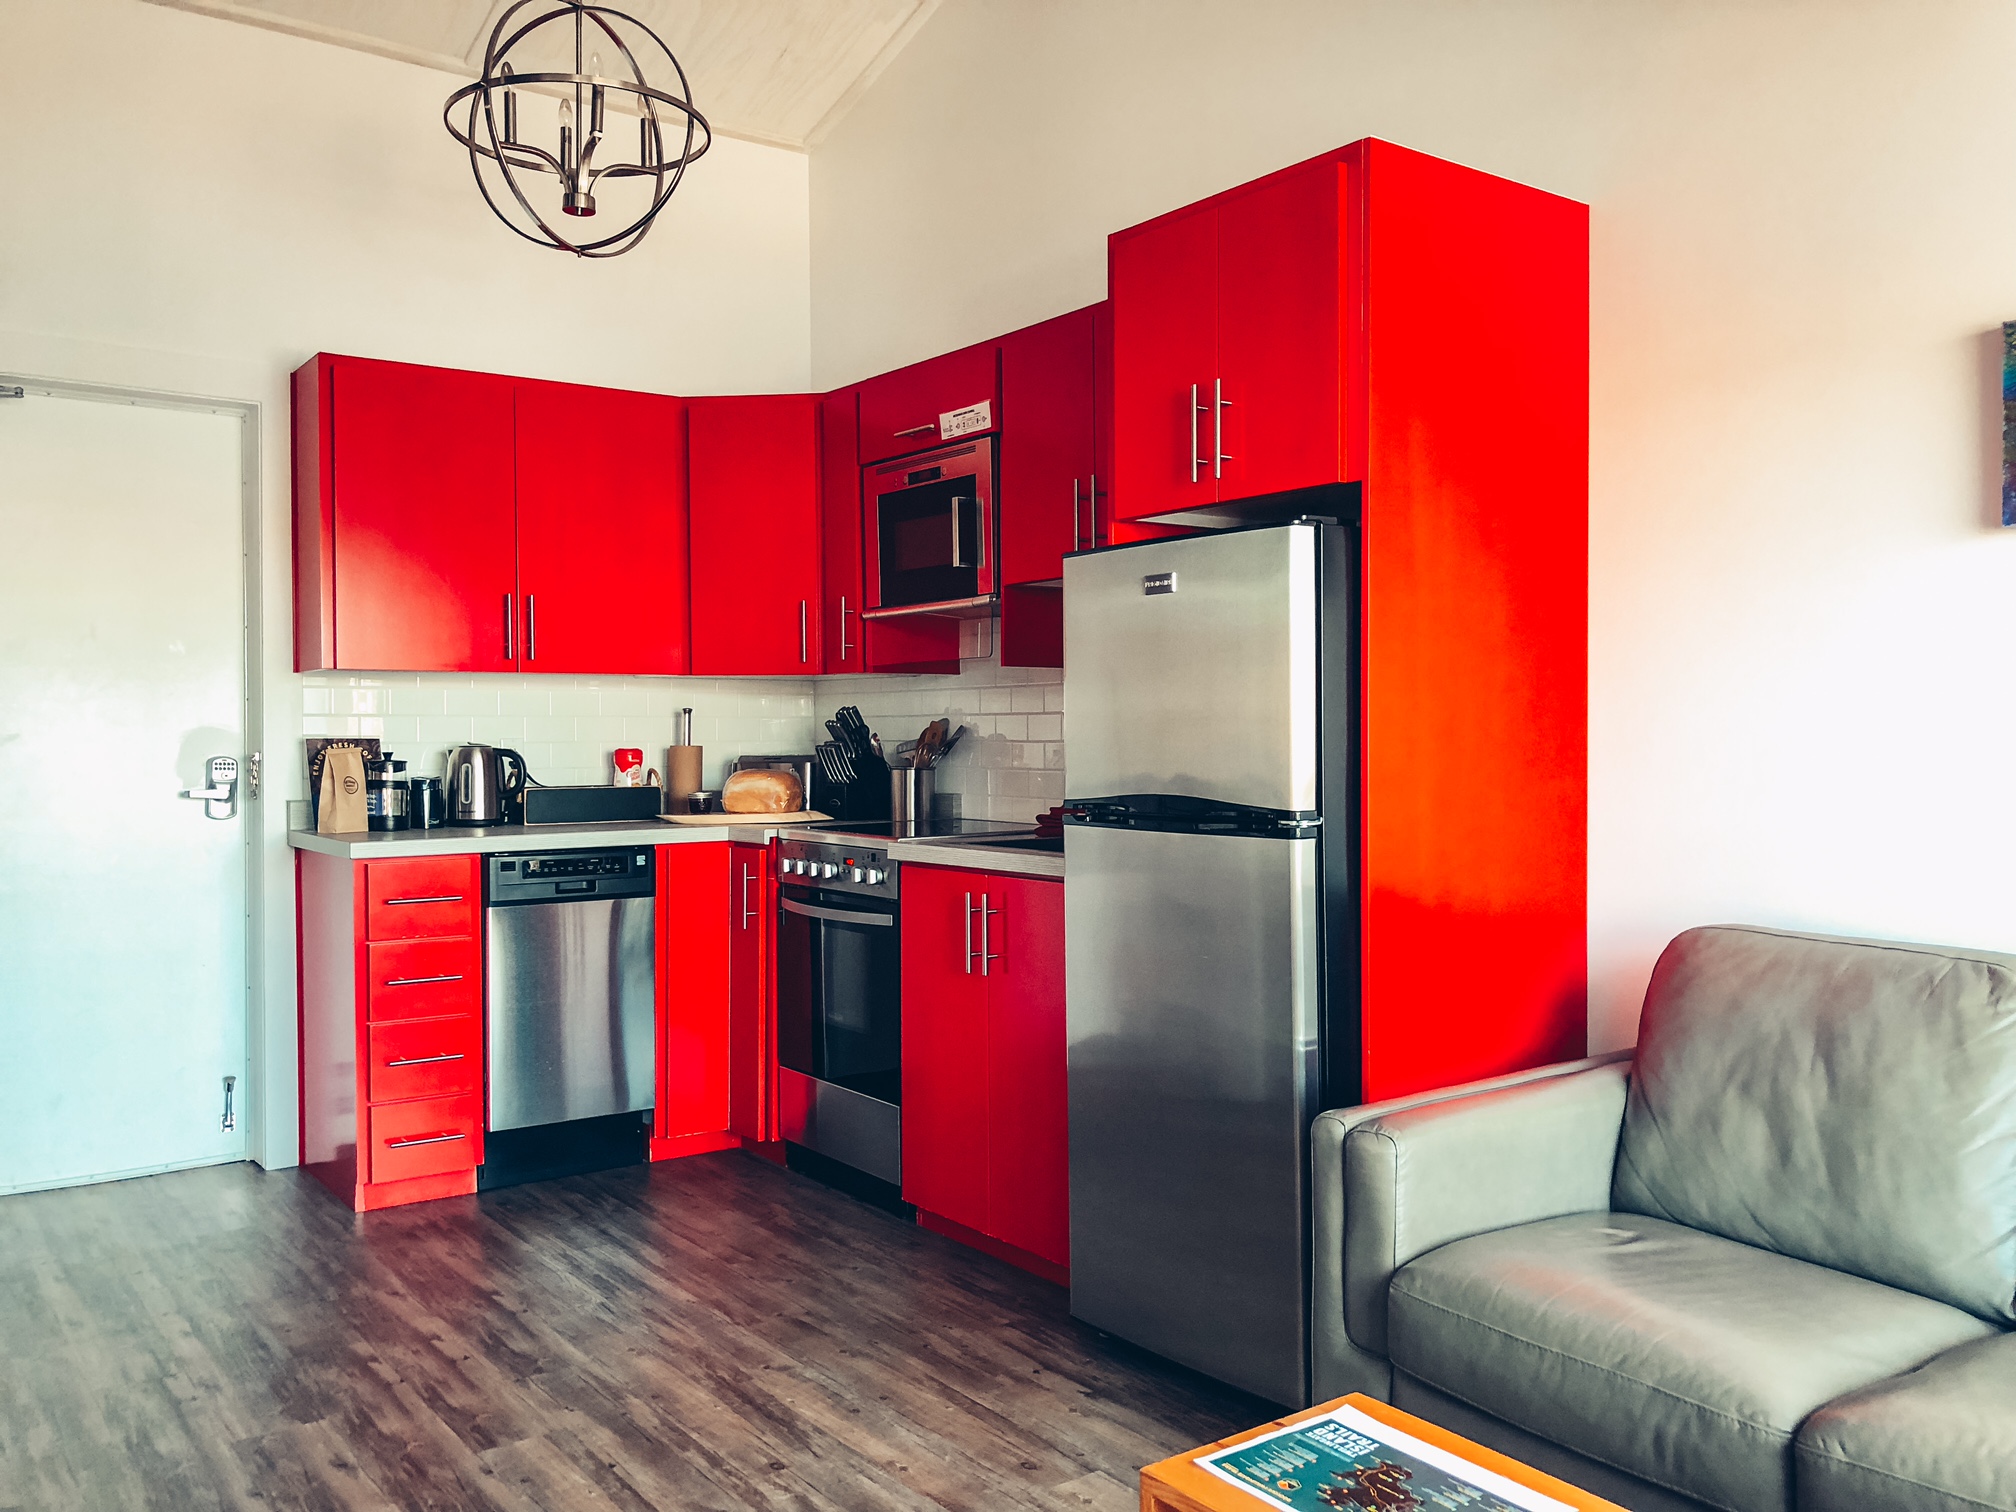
{"x":711,"y":1333}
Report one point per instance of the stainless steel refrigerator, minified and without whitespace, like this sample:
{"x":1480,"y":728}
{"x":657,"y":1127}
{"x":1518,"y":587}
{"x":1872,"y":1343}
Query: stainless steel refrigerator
{"x":1210,"y":954}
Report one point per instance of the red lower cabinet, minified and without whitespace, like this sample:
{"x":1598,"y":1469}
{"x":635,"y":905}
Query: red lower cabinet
{"x":985,"y":1136}
{"x":391,"y":1026}
{"x":752,"y":1014}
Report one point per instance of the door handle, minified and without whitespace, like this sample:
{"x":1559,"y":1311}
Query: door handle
{"x":1092,"y":511}
{"x":220,"y":797}
{"x":969,"y":934}
{"x":1074,"y":514}
{"x":531,"y":628}
{"x":420,"y":1139}
{"x":442,"y":898}
{"x":510,"y":627}
{"x":1196,"y":409}
{"x":748,"y":913}
{"x":421,"y":981}
{"x":917,"y":430}
{"x":985,"y":914}
{"x":843,"y":627}
{"x":838,"y":915}
{"x":1219,"y":404}
{"x":423,"y":1060}
{"x":803,"y":643}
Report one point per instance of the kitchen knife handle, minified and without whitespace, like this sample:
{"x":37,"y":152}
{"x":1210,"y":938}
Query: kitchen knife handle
{"x":509,"y":626}
{"x":969,"y":934}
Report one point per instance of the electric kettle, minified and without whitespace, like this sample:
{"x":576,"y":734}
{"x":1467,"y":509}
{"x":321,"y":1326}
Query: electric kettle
{"x":484,"y":784}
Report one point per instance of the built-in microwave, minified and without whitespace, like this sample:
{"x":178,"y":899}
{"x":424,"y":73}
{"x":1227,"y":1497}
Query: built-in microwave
{"x":931,"y":525}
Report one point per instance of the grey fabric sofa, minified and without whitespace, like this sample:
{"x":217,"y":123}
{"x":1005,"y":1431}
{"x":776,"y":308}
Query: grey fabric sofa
{"x":1768,"y":1264}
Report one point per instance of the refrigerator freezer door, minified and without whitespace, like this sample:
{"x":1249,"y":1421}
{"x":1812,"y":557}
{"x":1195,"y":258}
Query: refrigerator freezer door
{"x":1190,"y":667}
{"x":1191,"y":993}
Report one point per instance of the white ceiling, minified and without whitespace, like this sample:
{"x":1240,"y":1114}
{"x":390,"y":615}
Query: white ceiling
{"x":777,"y":71}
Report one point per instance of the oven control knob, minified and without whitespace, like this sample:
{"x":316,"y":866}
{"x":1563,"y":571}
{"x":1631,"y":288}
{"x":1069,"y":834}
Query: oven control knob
{"x":828,"y":869}
{"x":857,"y":875}
{"x":876,"y":877}
{"x":793,"y":866}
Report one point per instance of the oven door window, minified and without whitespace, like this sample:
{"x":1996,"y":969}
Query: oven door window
{"x":930,"y":541}
{"x":839,"y":995}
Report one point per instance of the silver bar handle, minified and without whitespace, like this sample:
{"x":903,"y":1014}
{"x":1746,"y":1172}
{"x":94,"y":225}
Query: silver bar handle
{"x":969,"y":934}
{"x":838,"y":915}
{"x":748,"y":913}
{"x":1195,"y":460}
{"x":958,"y":555}
{"x":443,"y":898}
{"x":531,"y":628}
{"x":843,"y":627}
{"x":1092,"y":511}
{"x":917,"y":430}
{"x":1219,"y":404}
{"x":400,"y":1144}
{"x":1074,"y":514}
{"x":985,"y":914}
{"x":804,"y":643}
{"x":421,"y":981}
{"x":510,"y":625}
{"x":424,"y":1060}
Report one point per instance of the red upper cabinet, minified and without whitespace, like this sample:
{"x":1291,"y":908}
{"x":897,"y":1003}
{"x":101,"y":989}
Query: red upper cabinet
{"x":841,"y":636}
{"x":602,"y":534}
{"x":753,"y":468}
{"x":940,"y":399}
{"x":1164,"y":278}
{"x":1049,"y":446}
{"x":1233,"y":334}
{"x":404,"y":536}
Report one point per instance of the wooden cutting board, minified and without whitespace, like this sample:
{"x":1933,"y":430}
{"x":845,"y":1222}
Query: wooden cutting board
{"x":803,"y":816}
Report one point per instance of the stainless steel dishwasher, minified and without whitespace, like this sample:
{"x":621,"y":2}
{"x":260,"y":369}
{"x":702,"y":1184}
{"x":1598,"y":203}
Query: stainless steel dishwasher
{"x":570,"y":968}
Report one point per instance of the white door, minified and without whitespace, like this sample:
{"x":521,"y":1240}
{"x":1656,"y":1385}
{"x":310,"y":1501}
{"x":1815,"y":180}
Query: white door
{"x":122,"y":906}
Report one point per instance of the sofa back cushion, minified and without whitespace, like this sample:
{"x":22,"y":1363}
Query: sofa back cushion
{"x":1847,"y":1102}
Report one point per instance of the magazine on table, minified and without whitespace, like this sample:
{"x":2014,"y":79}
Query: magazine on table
{"x":1347,"y":1459}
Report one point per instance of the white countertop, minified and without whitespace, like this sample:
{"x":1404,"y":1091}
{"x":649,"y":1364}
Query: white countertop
{"x":464,"y":840}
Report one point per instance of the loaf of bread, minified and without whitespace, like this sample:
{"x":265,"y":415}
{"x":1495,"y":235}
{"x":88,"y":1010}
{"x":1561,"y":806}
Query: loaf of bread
{"x":761,"y":792}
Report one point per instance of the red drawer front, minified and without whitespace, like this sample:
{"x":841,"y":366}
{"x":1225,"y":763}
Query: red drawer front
{"x":419,"y":896}
{"x":427,"y":1138}
{"x":426,"y":1058}
{"x":426,"y":978}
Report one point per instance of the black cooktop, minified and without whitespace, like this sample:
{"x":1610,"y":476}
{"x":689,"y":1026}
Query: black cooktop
{"x":886,"y":829}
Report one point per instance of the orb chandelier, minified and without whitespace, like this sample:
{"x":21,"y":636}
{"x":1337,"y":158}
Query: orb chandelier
{"x":528,"y":62}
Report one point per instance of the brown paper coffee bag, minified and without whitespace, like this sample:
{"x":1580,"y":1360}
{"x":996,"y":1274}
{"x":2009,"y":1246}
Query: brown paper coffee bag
{"x":341,"y":810}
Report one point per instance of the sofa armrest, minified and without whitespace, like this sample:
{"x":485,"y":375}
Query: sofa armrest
{"x":1393,"y":1180}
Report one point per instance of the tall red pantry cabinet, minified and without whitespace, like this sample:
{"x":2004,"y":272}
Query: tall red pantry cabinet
{"x":1380,"y":336}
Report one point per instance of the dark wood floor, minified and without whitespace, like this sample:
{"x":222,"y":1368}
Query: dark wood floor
{"x":706,"y":1333}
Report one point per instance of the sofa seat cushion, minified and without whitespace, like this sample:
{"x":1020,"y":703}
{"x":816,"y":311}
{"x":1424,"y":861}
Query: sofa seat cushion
{"x":1683,"y":1358}
{"x":1941,"y":1438}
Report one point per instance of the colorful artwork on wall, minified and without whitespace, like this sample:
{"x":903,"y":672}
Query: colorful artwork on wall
{"x":2009,"y":422}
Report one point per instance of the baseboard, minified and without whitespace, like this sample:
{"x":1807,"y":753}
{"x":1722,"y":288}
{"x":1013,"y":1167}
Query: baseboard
{"x":679,"y":1146}
{"x":1000,"y":1249}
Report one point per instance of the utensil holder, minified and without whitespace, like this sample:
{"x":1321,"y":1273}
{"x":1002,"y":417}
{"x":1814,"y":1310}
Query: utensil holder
{"x":911,"y":790}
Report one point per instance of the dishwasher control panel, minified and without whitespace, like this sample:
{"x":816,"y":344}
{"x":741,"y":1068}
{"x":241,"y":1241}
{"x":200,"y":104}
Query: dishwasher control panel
{"x":556,"y":876}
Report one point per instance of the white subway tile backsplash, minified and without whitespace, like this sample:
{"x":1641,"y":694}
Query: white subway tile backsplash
{"x":566,"y":727}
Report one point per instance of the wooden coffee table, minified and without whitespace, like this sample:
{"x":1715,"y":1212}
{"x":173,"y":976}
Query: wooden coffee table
{"x":1178,"y":1485}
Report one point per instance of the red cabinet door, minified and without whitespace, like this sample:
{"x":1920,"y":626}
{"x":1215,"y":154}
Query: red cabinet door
{"x":601,"y":530}
{"x":752,"y":1038}
{"x":1048,"y":458}
{"x":946,"y":1115}
{"x":423,"y":534}
{"x":905,"y":411}
{"x":841,"y":636}
{"x":1028,"y":1161}
{"x":1164,"y":278}
{"x":1279,"y":423}
{"x":695,"y":972}
{"x":753,"y":465}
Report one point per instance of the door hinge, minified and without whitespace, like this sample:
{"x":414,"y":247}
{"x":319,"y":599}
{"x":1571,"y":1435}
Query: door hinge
{"x":12,"y":391}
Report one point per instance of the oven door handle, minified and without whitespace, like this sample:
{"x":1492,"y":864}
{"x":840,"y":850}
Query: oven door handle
{"x":839,"y":915}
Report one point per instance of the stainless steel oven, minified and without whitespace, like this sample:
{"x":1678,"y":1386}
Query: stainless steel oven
{"x":931,"y":526}
{"x":839,"y":1004}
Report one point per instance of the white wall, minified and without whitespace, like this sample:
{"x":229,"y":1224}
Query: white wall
{"x":197,"y":206}
{"x":1804,"y":237}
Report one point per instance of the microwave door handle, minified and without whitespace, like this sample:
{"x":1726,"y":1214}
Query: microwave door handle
{"x":958,"y":554}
